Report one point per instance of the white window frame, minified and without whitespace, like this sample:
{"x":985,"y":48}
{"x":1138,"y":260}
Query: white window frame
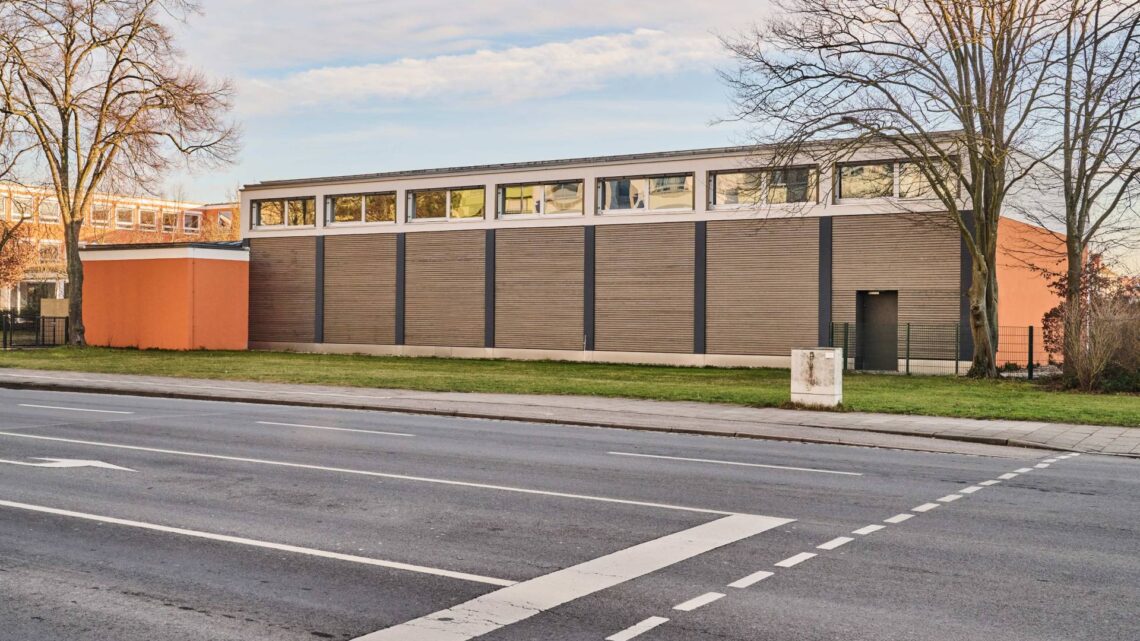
{"x":187,"y":217}
{"x":765,"y":187}
{"x":410,"y":204}
{"x":173,"y":228}
{"x":107,"y":224}
{"x":501,"y":199}
{"x":600,"y":205}
{"x":40,"y":211}
{"x":896,"y":186}
{"x":143,"y":226}
{"x":134,"y":217}
{"x":29,"y":208}
{"x":363,"y":208}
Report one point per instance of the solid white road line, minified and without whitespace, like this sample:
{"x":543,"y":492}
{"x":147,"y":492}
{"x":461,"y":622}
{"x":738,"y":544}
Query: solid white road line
{"x":751,"y":579}
{"x":334,"y":429}
{"x":950,"y":498}
{"x":989,"y":482}
{"x":899,"y":518}
{"x":74,"y":409}
{"x":834,"y":543}
{"x":259,"y":544}
{"x":703,"y":600}
{"x":402,"y":477}
{"x":490,"y":612}
{"x":793,"y":561}
{"x":925,"y":507}
{"x":970,"y":490}
{"x":1007,"y":476}
{"x":1024,"y":470}
{"x":635,"y":630}
{"x":864,"y":531}
{"x":719,"y":462}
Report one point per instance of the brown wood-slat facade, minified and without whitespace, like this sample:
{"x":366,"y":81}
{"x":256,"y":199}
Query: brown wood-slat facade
{"x":444,"y":288}
{"x":919,"y":256}
{"x":538,"y":288}
{"x":763,"y":285}
{"x":360,"y":289}
{"x":282,"y":289}
{"x":644,"y":287}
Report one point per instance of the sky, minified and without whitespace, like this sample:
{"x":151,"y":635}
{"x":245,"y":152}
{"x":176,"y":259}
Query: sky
{"x":361,"y":86}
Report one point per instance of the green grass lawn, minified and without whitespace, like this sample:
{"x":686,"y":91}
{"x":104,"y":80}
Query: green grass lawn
{"x":929,"y":395}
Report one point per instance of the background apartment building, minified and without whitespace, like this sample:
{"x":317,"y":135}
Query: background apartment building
{"x":113,"y":219}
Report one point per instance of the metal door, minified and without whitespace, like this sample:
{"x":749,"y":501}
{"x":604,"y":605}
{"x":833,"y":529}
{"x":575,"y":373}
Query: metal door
{"x":877,"y":326}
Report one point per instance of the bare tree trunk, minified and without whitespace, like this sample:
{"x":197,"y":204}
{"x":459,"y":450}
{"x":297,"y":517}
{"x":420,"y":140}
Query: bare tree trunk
{"x":1073,"y":320}
{"x":981,"y":325}
{"x":76,"y":330}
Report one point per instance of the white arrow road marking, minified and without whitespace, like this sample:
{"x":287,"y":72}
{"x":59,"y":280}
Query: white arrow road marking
{"x":259,"y":544}
{"x":66,"y":462}
{"x":501,"y":608}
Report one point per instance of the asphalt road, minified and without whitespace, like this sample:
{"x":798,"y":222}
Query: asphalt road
{"x":246,"y":522}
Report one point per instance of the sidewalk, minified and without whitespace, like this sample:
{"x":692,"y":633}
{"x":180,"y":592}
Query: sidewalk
{"x":896,"y":431}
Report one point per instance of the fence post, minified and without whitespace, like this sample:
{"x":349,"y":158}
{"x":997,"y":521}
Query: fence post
{"x":908,"y":349}
{"x":845,"y":327}
{"x":957,"y":347}
{"x":1030,"y":366}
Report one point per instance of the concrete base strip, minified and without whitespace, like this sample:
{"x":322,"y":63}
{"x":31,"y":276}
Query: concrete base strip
{"x":510,"y":605}
{"x":225,"y":538}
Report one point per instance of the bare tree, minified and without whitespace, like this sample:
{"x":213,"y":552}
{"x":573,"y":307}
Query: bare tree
{"x":953,"y":86}
{"x":1096,"y":163}
{"x":98,"y":89}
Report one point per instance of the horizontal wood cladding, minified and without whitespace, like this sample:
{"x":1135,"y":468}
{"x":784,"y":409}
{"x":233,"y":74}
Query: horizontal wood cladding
{"x":916,"y":255}
{"x":282,"y":289}
{"x":444,"y":283}
{"x":763,"y":286}
{"x":644,"y":287}
{"x":360,"y":289}
{"x":538,"y":288}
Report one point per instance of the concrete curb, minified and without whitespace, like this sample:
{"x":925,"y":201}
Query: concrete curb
{"x":982,"y":440}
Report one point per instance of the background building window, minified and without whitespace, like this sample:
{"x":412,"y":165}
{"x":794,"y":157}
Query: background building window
{"x":652,"y":192}
{"x":169,"y":222}
{"x":191,"y":222}
{"x":738,"y":188}
{"x":442,"y":204}
{"x":124,"y":218}
{"x":22,"y":208}
{"x":100,"y":216}
{"x":4,"y":207}
{"x":148,"y":219}
{"x":914,"y":184}
{"x":546,"y":198}
{"x":49,"y":211}
{"x":301,"y":212}
{"x":355,"y":208}
{"x":871,"y":180}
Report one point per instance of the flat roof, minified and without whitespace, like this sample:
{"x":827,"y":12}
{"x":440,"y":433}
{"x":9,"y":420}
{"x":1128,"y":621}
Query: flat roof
{"x":235,"y":245}
{"x":543,"y":164}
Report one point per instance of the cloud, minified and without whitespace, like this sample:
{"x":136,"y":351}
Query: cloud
{"x":508,"y":75}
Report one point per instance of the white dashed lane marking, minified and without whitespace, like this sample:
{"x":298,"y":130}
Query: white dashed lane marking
{"x":970,"y":490}
{"x":1007,"y":476}
{"x":73,"y":409}
{"x":793,"y":561}
{"x":701,"y":601}
{"x":950,"y":498}
{"x":989,"y":482}
{"x":333,"y":429}
{"x":1041,"y":466}
{"x":925,"y":507}
{"x":899,"y":518}
{"x":635,"y":630}
{"x":1024,"y":470}
{"x":864,"y":531}
{"x":738,"y":463}
{"x":836,"y":542}
{"x":751,"y":579}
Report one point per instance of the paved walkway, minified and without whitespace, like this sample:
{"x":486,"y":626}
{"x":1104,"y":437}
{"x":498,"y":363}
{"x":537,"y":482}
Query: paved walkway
{"x":851,"y":428}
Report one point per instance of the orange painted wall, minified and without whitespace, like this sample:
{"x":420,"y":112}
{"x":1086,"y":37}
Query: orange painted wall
{"x":178,"y":303}
{"x":1023,"y":293}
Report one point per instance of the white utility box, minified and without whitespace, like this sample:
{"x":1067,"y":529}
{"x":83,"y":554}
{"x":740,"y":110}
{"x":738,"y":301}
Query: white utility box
{"x":817,"y":376}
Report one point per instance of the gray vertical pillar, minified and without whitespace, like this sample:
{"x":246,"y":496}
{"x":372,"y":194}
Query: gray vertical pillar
{"x":489,"y":290}
{"x":825,"y":283}
{"x":319,"y":297}
{"x":700,"y":286}
{"x":401,"y":253}
{"x":965,"y":280}
{"x":588,"y":288}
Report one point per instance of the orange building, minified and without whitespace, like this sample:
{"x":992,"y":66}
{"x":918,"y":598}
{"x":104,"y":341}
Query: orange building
{"x":114,"y":219}
{"x":170,"y":296}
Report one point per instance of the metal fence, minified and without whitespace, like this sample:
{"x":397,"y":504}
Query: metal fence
{"x":937,"y":349}
{"x":31,"y":330}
